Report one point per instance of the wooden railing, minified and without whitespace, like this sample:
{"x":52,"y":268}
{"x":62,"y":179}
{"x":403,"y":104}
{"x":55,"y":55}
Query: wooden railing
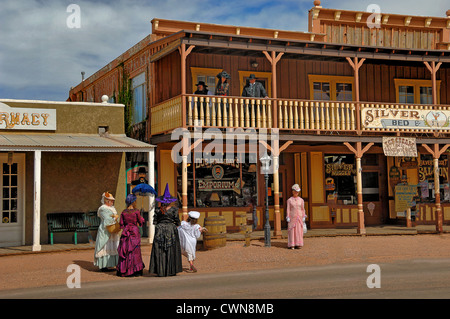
{"x":286,"y":114}
{"x":167,"y":115}
{"x":258,"y":113}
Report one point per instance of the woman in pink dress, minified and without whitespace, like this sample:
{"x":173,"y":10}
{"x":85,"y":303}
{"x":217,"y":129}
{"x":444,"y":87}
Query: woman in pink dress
{"x":294,"y":218}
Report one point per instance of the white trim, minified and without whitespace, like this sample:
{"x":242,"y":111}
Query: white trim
{"x":37,"y":202}
{"x":61,"y":103}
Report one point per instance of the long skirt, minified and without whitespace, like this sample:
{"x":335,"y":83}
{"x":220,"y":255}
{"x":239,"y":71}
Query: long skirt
{"x":295,"y":233}
{"x":130,"y":257}
{"x":165,"y":259}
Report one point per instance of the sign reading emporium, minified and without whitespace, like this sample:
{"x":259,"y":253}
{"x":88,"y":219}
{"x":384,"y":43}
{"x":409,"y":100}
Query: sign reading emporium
{"x":400,"y":146}
{"x":27,"y":118}
{"x":417,"y":119}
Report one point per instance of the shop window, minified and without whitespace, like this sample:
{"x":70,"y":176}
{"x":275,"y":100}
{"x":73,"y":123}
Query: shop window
{"x":340,"y":179}
{"x":221,"y":183}
{"x":139,"y":98}
{"x":331,"y":88}
{"x":10,"y":194}
{"x":415,"y":91}
{"x":426,"y":178}
{"x":370,"y":187}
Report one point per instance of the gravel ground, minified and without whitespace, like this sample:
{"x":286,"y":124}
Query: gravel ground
{"x":47,"y":269}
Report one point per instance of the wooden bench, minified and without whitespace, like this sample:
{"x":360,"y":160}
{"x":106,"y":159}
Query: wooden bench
{"x":66,"y":222}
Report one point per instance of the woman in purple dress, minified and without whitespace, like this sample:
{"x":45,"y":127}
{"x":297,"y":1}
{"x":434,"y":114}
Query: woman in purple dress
{"x":130,"y":258}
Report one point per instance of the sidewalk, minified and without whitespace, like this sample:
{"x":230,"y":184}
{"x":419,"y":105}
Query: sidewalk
{"x":384,"y":230}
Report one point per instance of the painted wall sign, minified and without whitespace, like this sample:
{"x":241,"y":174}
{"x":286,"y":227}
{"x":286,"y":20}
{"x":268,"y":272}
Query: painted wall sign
{"x":405,"y":119}
{"x":400,"y":146}
{"x":18,"y":118}
{"x":340,"y":169}
{"x":426,"y":170}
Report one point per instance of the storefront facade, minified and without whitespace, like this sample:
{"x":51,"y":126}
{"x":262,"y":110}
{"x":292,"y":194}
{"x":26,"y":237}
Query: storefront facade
{"x":333,"y":96}
{"x":59,"y":157}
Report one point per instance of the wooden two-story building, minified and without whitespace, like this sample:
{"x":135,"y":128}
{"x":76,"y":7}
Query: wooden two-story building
{"x":354,"y":110}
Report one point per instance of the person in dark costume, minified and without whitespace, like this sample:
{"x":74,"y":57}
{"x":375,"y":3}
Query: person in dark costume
{"x":165,"y":259}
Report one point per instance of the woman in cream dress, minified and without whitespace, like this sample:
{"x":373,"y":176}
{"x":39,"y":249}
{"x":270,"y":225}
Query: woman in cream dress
{"x":106,"y":255}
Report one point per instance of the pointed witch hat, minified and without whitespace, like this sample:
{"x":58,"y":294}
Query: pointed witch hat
{"x":166,"y":198}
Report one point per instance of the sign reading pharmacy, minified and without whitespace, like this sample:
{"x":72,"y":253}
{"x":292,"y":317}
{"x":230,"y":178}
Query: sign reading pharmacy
{"x":27,"y":118}
{"x":382,"y":118}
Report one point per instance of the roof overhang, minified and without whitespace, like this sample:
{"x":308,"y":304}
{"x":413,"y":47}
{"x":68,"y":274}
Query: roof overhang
{"x":206,"y":42}
{"x":71,"y":143}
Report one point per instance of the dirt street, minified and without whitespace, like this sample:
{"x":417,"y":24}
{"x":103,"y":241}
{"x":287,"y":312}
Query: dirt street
{"x":47,"y":269}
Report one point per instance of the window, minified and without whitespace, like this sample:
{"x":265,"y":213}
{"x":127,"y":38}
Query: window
{"x":340,"y":179}
{"x":9,"y":192}
{"x":426,"y":178}
{"x":265,"y":78}
{"x":207,"y":75}
{"x":415,"y":91}
{"x":139,"y":98}
{"x":331,"y":88}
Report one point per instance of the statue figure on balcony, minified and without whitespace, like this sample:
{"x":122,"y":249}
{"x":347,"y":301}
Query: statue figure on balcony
{"x":253,"y":88}
{"x":202,"y":88}
{"x":223,"y":87}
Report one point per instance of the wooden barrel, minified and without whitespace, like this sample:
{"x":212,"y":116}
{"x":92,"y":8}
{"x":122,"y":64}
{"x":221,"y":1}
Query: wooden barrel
{"x":216,"y":236}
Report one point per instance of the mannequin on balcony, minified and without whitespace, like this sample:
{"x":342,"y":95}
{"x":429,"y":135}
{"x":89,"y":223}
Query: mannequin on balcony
{"x":253,"y":88}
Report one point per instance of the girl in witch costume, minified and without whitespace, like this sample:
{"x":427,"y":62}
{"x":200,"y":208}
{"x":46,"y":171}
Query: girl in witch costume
{"x":106,"y":255}
{"x":165,"y":259}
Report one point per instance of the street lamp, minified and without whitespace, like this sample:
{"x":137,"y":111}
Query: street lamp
{"x":265,"y":162}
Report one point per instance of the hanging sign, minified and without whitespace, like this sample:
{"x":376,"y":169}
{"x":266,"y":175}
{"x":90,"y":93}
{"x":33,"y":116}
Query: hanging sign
{"x":381,"y":118}
{"x":18,"y":118}
{"x":400,"y":146}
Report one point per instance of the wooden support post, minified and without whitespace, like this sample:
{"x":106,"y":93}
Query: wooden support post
{"x":436,"y":153}
{"x":433,"y":68}
{"x":359,"y":151}
{"x":184,"y":53}
{"x":37,"y":202}
{"x":273,"y":59}
{"x":356,"y":65}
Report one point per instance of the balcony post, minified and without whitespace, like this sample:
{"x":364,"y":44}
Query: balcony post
{"x":436,"y":153}
{"x":359,"y":151}
{"x":355,"y":64}
{"x":184,"y":53}
{"x":433,"y":68}
{"x":273,"y":59}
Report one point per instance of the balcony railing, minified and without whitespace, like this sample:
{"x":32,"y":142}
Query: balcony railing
{"x":288,"y":114}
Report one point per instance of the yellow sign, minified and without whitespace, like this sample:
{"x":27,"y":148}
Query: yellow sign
{"x":404,"y":195}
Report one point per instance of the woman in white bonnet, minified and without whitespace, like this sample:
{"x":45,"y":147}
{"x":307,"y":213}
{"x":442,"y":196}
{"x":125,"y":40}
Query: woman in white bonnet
{"x":294,"y":217}
{"x":106,"y":255}
{"x":189,"y":231}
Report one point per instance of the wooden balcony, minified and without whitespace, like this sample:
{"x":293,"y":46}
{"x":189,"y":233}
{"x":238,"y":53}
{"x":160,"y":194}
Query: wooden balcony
{"x":303,"y":116}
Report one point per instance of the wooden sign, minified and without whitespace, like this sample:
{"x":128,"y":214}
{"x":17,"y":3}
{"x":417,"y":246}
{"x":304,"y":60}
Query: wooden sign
{"x":400,"y":146}
{"x":404,"y":195}
{"x":19,"y":118}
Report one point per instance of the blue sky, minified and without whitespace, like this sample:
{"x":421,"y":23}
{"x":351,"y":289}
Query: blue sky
{"x":41,"y":57}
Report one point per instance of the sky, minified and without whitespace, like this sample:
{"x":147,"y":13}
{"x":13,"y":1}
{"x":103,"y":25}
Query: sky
{"x":46,"y":44}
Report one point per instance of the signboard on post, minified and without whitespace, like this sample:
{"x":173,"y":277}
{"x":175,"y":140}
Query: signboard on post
{"x":404,"y":195}
{"x":400,"y":146}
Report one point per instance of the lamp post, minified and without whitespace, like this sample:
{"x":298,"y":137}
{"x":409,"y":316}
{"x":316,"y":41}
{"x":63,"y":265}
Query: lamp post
{"x":265,"y":160}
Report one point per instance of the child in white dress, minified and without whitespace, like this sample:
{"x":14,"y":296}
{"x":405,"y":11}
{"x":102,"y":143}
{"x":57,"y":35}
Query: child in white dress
{"x":188,"y":232}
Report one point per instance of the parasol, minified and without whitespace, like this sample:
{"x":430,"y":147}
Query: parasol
{"x":144,"y":190}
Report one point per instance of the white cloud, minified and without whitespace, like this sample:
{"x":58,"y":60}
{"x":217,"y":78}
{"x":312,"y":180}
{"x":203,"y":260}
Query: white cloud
{"x":41,"y":58}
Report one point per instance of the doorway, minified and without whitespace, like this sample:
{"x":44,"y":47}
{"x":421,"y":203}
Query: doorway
{"x":12,"y":208}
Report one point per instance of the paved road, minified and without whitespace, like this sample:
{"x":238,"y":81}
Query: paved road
{"x":410,"y":279}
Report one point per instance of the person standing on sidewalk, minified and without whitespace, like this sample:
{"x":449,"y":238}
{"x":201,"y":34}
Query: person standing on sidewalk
{"x":189,"y":231}
{"x":130,"y":257}
{"x":294,"y":217}
{"x":165,"y":258}
{"x":106,"y":255}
